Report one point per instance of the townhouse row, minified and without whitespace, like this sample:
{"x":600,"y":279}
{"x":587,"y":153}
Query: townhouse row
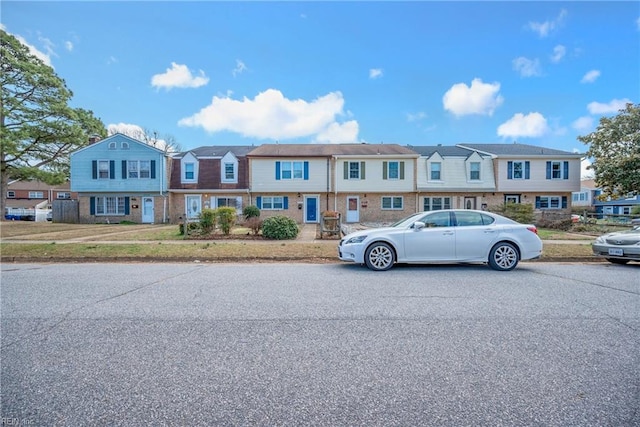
{"x":121,"y":179}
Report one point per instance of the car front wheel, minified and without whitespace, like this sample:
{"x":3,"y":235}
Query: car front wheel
{"x":503,"y":257}
{"x":379,"y":256}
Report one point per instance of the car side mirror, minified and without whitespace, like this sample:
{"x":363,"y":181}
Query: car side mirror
{"x":418,"y":225}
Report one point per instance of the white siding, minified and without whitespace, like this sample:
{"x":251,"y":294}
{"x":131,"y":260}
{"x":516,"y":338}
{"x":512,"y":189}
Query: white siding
{"x":263,"y":177}
{"x":374,"y":181}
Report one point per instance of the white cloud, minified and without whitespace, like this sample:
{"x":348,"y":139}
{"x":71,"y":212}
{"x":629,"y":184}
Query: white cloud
{"x":585,"y":172}
{"x":558,"y":53}
{"x":272,"y":116}
{"x":583,"y":124}
{"x":179,"y":76}
{"x":545,"y":28}
{"x":481,"y":98}
{"x":136,"y":132}
{"x":531,"y":125}
{"x":614,"y":106}
{"x":375,"y":73}
{"x":44,"y":57}
{"x":240,"y":68}
{"x":527,"y":67}
{"x":68,"y":45}
{"x":112,"y":60}
{"x":414,"y":117}
{"x":590,"y":77}
{"x":638,"y":23}
{"x":339,"y":133}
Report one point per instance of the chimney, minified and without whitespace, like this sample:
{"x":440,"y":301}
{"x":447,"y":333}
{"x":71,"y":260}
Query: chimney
{"x":94,"y":138}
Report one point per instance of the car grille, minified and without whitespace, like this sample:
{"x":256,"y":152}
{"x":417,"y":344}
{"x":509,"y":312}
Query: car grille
{"x":623,"y":241}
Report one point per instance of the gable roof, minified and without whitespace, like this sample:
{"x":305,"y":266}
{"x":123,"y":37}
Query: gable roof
{"x":443,"y":150}
{"x":118,"y":137}
{"x":328,"y":150}
{"x":517,"y":149}
{"x":217,"y":151}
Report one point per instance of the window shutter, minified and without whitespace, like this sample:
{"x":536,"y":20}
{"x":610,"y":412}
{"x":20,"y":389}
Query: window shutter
{"x":259,"y":202}
{"x":153,"y":169}
{"x":112,"y":169}
{"x":126,"y":206}
{"x":124,"y":169}
{"x":286,"y":202}
{"x":92,"y":205}
{"x":564,"y":202}
{"x":527,"y":170}
{"x":565,"y":167}
{"x":401,"y":170}
{"x":537,"y":202}
{"x":277,"y":171}
{"x":306,"y":171}
{"x":385,"y":165}
{"x":362,"y":170}
{"x":548,"y":170}
{"x":346,"y":170}
{"x":509,"y":170}
{"x":94,"y":169}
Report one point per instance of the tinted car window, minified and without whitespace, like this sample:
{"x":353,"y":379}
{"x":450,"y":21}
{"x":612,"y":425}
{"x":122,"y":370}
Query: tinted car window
{"x":465,"y":219}
{"x":487,"y":219}
{"x":438,"y":219}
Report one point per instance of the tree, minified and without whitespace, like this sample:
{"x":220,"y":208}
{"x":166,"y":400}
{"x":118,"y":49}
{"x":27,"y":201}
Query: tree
{"x":38,"y":128}
{"x":615,"y":150}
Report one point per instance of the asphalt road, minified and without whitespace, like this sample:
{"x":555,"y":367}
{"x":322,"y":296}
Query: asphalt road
{"x":322,"y":345}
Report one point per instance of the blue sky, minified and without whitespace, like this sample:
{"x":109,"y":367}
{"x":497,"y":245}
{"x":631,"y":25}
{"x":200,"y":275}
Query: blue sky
{"x":417,"y":73}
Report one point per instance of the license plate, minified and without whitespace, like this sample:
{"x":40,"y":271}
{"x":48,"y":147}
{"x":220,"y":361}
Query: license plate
{"x":617,"y":252}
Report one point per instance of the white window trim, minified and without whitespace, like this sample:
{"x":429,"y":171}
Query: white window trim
{"x":349,"y":170}
{"x":430,"y":171}
{"x":196,"y":166}
{"x":392,"y":208}
{"x":522,"y":169}
{"x":548,"y":199}
{"x":100,"y":201}
{"x":389,"y":177}
{"x":445,"y":204}
{"x":469,"y":179}
{"x":271,"y":200}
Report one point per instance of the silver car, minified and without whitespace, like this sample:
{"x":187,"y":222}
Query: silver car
{"x":619,"y":247}
{"x":444,"y":236}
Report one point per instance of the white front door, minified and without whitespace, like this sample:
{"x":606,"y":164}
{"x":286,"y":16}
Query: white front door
{"x":353,"y":211}
{"x":147,"y":210}
{"x":193,"y":206}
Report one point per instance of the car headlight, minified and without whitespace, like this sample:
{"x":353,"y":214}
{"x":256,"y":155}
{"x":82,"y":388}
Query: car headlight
{"x":600,"y":240}
{"x":354,"y":240}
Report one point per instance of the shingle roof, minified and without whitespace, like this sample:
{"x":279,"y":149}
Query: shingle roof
{"x":218,"y":151}
{"x":443,"y":150}
{"x":327,"y":150}
{"x":516,"y":149}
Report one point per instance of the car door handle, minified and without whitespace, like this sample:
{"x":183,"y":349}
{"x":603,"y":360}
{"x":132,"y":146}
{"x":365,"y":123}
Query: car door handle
{"x":489,"y":231}
{"x":447,"y":233}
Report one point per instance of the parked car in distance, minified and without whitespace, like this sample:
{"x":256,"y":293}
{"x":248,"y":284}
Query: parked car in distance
{"x":619,"y":247}
{"x":444,"y":236}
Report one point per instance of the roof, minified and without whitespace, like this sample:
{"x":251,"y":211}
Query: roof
{"x":517,"y":149}
{"x":443,"y":150}
{"x":217,"y":151}
{"x":328,"y":150}
{"x":35,"y":185}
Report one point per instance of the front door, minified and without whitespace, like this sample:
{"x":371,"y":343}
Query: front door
{"x":147,"y":210}
{"x":469,"y":202}
{"x":353,"y":212}
{"x":311,"y":209}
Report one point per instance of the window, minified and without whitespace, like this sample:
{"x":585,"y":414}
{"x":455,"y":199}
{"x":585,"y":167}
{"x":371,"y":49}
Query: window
{"x":440,"y":219}
{"x":227,"y":201}
{"x":229,"y":172}
{"x":518,"y":170}
{"x":292,"y":170}
{"x":11,"y":194}
{"x":551,"y":202}
{"x":63,"y":195}
{"x":132,"y":169}
{"x":110,"y":205}
{"x":273,"y":203}
{"x":393,"y":170}
{"x":582,"y":196}
{"x":392,"y":202}
{"x":138,"y":169}
{"x":124,"y":145}
{"x":112,"y":146}
{"x":474,"y":171}
{"x":189,"y":171}
{"x":36,"y":195}
{"x":557,"y":170}
{"x":436,"y":203}
{"x":512,"y":198}
{"x":145,"y":169}
{"x":466,"y":219}
{"x":354,"y":170}
{"x":103,"y":169}
{"x":436,"y":168}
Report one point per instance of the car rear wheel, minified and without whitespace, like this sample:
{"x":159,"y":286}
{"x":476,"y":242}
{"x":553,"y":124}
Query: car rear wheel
{"x":503,"y":257}
{"x":617,"y":261}
{"x":379,"y":256}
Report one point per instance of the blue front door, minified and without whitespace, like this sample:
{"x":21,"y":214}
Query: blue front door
{"x":311,"y":209}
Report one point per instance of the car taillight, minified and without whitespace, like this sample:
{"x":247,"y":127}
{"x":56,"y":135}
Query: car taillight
{"x":533,"y":229}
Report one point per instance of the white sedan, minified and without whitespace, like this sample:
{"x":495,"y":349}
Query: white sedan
{"x":444,"y":236}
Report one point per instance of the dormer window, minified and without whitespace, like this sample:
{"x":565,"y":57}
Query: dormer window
{"x":112,"y":146}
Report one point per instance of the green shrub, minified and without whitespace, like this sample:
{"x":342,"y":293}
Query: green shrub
{"x":279,"y":227}
{"x":251,"y":211}
{"x":207,"y":220}
{"x":520,"y":212}
{"x":191,"y":227}
{"x":226,"y":216}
